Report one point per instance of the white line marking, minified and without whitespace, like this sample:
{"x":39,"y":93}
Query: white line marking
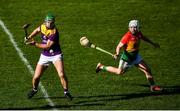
{"x":26,"y":62}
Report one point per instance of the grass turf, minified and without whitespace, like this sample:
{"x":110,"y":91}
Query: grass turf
{"x":103,"y":22}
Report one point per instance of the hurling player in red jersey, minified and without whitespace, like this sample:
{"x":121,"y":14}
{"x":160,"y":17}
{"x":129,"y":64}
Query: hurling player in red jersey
{"x":130,"y":56}
{"x":51,"y":53}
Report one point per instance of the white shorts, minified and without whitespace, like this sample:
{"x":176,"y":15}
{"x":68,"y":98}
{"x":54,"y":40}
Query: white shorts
{"x":125,"y":65}
{"x":46,"y":60}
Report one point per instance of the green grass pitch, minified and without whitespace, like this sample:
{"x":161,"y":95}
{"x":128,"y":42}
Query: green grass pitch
{"x":103,"y":22}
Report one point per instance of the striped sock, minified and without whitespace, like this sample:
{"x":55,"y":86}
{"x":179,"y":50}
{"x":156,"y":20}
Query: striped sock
{"x":104,"y":68}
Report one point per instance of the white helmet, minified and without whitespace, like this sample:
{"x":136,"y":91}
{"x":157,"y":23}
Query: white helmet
{"x":134,"y":23}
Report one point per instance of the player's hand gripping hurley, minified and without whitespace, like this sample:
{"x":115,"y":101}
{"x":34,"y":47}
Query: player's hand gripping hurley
{"x":26,"y":39}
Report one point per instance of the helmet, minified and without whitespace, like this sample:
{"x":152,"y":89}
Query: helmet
{"x":49,"y":17}
{"x":134,"y":23}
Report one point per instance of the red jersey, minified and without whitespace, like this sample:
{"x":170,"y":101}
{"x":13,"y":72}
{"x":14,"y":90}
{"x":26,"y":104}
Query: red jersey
{"x":131,"y":41}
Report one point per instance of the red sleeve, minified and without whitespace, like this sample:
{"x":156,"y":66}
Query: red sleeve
{"x":125,"y":38}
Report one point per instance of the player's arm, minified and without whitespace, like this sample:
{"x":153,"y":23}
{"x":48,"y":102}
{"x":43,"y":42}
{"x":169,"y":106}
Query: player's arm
{"x":156,"y":45}
{"x":34,"y":33}
{"x":44,"y":46}
{"x":29,"y":40}
{"x":119,"y":46}
{"x":122,"y":42}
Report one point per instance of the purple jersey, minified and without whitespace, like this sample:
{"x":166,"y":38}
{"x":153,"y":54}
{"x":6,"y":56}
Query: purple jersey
{"x":52,"y":35}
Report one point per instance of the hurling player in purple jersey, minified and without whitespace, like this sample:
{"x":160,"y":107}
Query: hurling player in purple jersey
{"x":51,"y":53}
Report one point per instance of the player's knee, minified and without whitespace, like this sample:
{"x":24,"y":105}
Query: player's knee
{"x":119,"y":71}
{"x":36,"y":77}
{"x":61,"y":75}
